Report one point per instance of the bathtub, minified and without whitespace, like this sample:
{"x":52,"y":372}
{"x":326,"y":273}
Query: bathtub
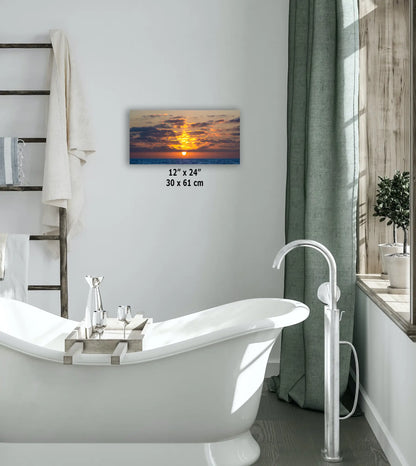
{"x":189,"y":398}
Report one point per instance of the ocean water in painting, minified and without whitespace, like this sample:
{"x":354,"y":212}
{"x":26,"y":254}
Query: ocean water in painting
{"x":185,"y":137}
{"x":190,"y":158}
{"x":136,"y":161}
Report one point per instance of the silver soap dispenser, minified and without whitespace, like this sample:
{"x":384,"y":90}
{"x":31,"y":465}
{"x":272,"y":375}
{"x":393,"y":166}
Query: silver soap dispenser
{"x":95,"y":316}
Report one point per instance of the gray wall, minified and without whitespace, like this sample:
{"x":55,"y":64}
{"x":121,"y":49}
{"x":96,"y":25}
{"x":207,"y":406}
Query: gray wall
{"x":166,"y":251}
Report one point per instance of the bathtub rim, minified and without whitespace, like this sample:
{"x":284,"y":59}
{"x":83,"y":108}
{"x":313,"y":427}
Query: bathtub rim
{"x":297,"y":314}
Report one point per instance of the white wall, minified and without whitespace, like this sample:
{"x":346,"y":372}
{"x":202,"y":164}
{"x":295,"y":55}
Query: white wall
{"x":388,"y":380}
{"x":165,"y":251}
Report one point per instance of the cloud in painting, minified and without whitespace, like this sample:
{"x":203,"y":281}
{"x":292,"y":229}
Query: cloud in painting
{"x":202,"y":124}
{"x":177,"y":121}
{"x":150,"y":133}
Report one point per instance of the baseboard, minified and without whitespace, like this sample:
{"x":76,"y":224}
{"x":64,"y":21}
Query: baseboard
{"x":273,"y":368}
{"x":380,"y":430}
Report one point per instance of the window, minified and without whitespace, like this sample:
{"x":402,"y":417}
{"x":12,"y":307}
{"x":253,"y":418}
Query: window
{"x":386,"y":140}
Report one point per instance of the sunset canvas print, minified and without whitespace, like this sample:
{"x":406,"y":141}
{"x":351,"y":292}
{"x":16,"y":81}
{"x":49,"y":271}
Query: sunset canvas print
{"x":185,"y":137}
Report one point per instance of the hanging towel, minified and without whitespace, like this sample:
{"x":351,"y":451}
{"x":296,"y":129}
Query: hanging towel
{"x":68,"y":143}
{"x":3,"y":240}
{"x":11,"y":159}
{"x":14,"y":284}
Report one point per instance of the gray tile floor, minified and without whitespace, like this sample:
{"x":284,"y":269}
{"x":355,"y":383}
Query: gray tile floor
{"x":290,"y":436}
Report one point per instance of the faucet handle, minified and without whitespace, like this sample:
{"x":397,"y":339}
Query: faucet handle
{"x":324,"y":293}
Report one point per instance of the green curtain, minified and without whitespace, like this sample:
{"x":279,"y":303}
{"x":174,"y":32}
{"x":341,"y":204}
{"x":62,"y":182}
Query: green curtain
{"x":321,"y":193}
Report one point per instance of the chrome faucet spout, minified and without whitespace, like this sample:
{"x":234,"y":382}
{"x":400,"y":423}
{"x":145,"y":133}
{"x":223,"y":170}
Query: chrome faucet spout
{"x":324,"y":251}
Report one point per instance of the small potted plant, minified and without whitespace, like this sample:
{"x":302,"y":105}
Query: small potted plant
{"x":396,"y":209}
{"x":382,"y":209}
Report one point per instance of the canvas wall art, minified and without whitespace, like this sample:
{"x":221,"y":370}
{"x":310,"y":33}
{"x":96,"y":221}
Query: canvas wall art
{"x":185,"y":137}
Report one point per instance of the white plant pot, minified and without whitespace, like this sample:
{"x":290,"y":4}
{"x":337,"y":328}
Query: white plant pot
{"x":398,"y":268}
{"x":388,"y":248}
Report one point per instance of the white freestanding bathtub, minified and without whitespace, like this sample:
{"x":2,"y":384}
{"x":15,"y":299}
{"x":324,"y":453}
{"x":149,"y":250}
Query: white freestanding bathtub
{"x":189,"y":398}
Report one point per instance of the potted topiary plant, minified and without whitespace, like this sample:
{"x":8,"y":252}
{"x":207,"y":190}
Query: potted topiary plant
{"x":396,"y":208}
{"x":382,"y":209}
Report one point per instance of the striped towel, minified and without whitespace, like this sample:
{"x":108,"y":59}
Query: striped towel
{"x":10,"y":161}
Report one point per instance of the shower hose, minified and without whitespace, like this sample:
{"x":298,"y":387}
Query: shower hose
{"x":357,"y":380}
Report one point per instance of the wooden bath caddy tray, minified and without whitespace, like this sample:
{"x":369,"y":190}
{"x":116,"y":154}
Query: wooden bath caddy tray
{"x":111,"y":341}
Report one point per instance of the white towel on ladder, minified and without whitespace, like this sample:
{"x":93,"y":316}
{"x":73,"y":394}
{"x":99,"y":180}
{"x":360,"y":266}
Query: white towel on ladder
{"x":16,"y":268}
{"x":69,"y":141}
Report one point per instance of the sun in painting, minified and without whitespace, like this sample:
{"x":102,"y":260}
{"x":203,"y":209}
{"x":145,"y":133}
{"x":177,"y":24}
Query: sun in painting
{"x":184,"y":153}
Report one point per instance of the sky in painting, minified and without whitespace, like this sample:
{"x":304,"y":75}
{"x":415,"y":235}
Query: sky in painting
{"x":184,"y":132}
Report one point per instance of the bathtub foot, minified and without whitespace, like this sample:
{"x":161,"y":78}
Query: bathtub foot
{"x":242,"y":450}
{"x":238,"y":451}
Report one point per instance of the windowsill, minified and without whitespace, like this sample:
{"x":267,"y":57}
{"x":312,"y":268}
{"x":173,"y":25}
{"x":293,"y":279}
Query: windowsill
{"x":395,"y":306}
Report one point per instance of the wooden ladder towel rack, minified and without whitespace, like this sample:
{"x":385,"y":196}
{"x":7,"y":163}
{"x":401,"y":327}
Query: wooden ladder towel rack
{"x":61,"y":237}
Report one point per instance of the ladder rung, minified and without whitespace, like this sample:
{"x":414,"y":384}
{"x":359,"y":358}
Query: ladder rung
{"x":26,"y":92}
{"x":20,"y":188}
{"x":44,"y":237}
{"x":43,"y":287}
{"x":27,"y":140}
{"x":33,"y":45}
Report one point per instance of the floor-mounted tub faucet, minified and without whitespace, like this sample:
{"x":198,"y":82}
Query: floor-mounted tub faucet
{"x":330,"y":452}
